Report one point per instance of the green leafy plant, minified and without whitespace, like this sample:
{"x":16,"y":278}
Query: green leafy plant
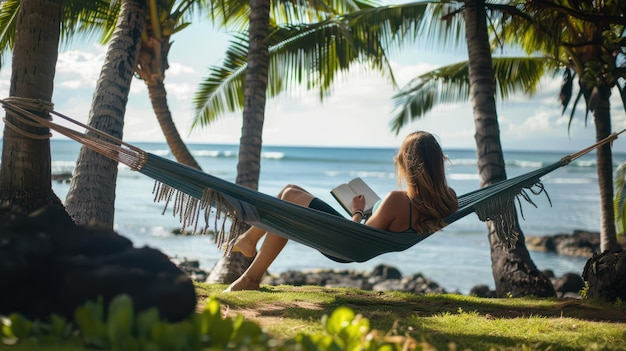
{"x":123,"y":329}
{"x":619,"y":199}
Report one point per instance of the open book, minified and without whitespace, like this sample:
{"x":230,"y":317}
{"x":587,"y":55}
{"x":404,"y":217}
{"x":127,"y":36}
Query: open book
{"x":345,"y":192}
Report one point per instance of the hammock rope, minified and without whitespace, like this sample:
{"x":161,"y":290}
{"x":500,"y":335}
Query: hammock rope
{"x":194,"y":195}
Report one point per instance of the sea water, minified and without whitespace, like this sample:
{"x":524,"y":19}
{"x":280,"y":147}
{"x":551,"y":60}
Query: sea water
{"x":457,"y":257}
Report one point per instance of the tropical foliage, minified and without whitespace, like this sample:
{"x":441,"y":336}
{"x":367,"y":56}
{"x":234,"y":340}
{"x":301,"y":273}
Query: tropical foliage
{"x":450,"y":84}
{"x":310,"y":55}
{"x":120,"y":327}
{"x":619,"y":202}
{"x":586,"y":40}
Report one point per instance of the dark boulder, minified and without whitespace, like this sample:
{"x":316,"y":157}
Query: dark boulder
{"x":605,"y":275}
{"x":570,"y":284}
{"x":49,"y":265}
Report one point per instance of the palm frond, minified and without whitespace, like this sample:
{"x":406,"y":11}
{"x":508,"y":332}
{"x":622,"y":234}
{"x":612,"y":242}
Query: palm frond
{"x":447,"y":84}
{"x":86,"y":17}
{"x":8,"y":18}
{"x":450,"y":84}
{"x":619,"y":185}
{"x":222,"y":91}
{"x":519,"y":74}
{"x":309,"y":55}
{"x":444,"y":28}
{"x":285,"y":12}
{"x":566,"y":88}
{"x":573,"y":111}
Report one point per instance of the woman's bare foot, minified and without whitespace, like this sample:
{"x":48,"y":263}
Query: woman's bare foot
{"x":244,"y":246}
{"x":244,"y":283}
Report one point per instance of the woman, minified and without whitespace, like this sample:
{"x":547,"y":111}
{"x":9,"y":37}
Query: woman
{"x":420,"y":208}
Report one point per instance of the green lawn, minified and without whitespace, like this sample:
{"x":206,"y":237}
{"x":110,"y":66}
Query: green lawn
{"x":443,"y":321}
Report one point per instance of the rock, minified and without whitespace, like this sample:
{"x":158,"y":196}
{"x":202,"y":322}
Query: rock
{"x":605,"y":275}
{"x":570,"y":284}
{"x":386,"y":272}
{"x":483,"y":291}
{"x":49,"y":265}
{"x":376,"y":280}
{"x":579,"y":243}
{"x":548,"y":273}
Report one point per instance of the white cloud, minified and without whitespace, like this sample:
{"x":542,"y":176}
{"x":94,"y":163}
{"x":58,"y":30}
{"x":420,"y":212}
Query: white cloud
{"x":177,"y":69}
{"x":80,"y":68}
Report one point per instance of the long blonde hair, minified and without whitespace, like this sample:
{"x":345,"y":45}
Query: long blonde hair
{"x":420,"y":163}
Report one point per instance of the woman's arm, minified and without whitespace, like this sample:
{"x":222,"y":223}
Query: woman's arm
{"x":358,"y":204}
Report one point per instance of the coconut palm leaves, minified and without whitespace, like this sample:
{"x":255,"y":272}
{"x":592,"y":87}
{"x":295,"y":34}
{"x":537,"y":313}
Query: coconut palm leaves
{"x":619,"y":202}
{"x":85,"y":14}
{"x":450,"y":84}
{"x":310,"y":55}
{"x":587,"y":38}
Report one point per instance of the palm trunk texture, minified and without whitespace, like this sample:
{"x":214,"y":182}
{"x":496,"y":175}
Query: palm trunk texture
{"x":25,"y":175}
{"x":513,"y":270}
{"x":91,"y":198}
{"x":255,"y":95}
{"x":158,"y":97}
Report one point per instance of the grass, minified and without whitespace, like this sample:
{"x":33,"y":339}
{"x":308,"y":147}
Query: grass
{"x":465,"y":321}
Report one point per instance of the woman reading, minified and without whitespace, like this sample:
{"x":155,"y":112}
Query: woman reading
{"x":420,"y":207}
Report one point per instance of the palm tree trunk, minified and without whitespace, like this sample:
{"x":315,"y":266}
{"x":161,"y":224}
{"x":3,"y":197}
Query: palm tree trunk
{"x":91,"y":198}
{"x":602,"y":120}
{"x":151,"y":66}
{"x":158,"y":97}
{"x":25,"y":175}
{"x":255,"y":93}
{"x":513,"y":270}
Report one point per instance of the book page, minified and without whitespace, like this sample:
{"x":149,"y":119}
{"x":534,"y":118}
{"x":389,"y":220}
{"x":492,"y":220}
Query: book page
{"x":344,"y":194}
{"x":360,"y":187}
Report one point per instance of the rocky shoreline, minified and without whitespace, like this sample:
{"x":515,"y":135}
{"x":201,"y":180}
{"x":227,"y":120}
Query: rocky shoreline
{"x":389,"y":278}
{"x":384,"y":278}
{"x":580,"y":243}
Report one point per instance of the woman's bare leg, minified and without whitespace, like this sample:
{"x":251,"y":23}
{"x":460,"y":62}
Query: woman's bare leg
{"x":272,"y":244}
{"x":251,"y":278}
{"x":247,"y":241}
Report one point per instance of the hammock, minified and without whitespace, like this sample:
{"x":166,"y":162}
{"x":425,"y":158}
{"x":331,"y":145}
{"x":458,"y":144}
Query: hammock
{"x":194,"y":194}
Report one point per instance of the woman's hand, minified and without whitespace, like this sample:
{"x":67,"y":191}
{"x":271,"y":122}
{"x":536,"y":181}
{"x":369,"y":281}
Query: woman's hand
{"x":358,"y":203}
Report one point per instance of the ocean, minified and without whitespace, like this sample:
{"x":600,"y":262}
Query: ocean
{"x":457,"y":257}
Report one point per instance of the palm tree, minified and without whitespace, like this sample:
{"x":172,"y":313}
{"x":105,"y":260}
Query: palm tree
{"x":25,"y":174}
{"x":249,"y":165}
{"x":164,"y":21}
{"x":31,"y":29}
{"x":586,"y":40}
{"x":86,"y":16}
{"x":513,"y":270}
{"x":91,"y":197}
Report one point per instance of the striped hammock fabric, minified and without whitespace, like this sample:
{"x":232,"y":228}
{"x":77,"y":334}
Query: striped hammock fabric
{"x":195,"y":195}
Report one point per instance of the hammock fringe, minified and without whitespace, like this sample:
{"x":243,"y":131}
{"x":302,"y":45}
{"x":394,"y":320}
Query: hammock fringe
{"x":190,"y":210}
{"x":500,"y":210}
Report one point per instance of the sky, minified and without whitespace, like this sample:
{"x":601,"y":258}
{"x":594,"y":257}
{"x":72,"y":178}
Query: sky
{"x":356,"y":114}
